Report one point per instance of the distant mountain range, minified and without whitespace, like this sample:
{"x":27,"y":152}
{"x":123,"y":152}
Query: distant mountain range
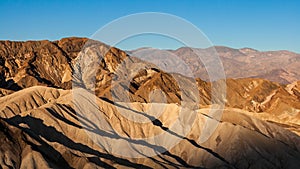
{"x":41,"y":126}
{"x":277,"y":66}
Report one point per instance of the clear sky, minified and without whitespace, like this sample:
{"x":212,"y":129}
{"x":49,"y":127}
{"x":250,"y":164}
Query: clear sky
{"x":259,"y":24}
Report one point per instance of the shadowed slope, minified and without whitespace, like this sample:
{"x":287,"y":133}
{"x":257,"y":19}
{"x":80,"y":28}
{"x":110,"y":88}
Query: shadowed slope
{"x":54,"y":127}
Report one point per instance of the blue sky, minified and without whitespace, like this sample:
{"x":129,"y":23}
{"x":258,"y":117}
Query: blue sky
{"x":263,"y":25}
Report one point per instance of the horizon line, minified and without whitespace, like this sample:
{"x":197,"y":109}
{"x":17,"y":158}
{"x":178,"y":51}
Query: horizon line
{"x":137,"y":48}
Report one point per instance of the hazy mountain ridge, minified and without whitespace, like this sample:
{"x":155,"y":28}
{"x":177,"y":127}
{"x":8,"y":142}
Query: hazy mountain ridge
{"x":277,"y":66}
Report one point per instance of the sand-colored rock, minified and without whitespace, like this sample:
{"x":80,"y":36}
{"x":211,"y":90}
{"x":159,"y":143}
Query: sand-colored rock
{"x":45,"y":124}
{"x":47,"y":119}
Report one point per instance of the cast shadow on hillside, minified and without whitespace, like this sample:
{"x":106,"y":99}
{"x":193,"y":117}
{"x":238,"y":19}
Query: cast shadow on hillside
{"x":158,"y":123}
{"x":90,"y":126}
{"x":38,"y":130}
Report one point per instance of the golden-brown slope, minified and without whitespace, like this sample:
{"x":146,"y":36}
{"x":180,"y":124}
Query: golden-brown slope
{"x":52,"y":132}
